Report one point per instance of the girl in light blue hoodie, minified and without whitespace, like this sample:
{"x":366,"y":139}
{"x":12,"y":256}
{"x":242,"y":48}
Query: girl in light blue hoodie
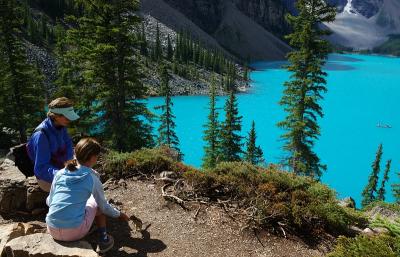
{"x":77,"y":198}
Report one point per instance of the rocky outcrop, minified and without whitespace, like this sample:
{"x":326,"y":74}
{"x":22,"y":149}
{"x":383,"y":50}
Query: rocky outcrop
{"x":382,"y":211}
{"x":18,"y":193}
{"x":12,"y":188}
{"x":30,"y":240}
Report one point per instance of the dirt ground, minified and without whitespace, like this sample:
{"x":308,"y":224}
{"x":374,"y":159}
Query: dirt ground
{"x":171,"y":231}
{"x":200,"y":231}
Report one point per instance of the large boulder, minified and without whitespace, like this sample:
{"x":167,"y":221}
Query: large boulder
{"x":12,"y":188}
{"x":9,"y":232}
{"x":43,"y":245}
{"x":35,"y":197}
{"x":17,"y":192}
{"x":383,"y":212}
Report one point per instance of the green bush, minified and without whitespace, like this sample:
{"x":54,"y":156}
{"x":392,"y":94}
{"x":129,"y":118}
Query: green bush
{"x":297,"y":201}
{"x":142,"y":162}
{"x":363,"y":246}
{"x":392,"y":226}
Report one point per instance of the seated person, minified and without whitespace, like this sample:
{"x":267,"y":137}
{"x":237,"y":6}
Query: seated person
{"x":51,"y":146}
{"x":77,"y":198}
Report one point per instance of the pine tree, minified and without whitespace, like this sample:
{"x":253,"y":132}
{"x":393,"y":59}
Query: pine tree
{"x":396,"y":190}
{"x":212,"y":130}
{"x":166,"y":131}
{"x":157,"y":45}
{"x":369,"y":193}
{"x":253,"y":153}
{"x":230,"y":131}
{"x":170,"y":50}
{"x":304,"y":90}
{"x":21,"y":85}
{"x":103,"y":48}
{"x":143,"y":41}
{"x":382,"y":191}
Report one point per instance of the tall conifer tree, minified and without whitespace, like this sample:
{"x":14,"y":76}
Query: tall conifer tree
{"x":304,"y":90}
{"x":143,"y":41}
{"x":396,"y":190}
{"x":382,"y":190}
{"x":370,"y":191}
{"x":166,"y":131}
{"x":231,"y":141}
{"x":254,"y":153}
{"x":103,"y":42}
{"x":157,"y":55}
{"x":212,"y":130}
{"x":170,"y":50}
{"x":21,"y":85}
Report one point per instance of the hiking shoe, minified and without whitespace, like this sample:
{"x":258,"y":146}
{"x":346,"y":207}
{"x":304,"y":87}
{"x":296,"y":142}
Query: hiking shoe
{"x":105,"y":246}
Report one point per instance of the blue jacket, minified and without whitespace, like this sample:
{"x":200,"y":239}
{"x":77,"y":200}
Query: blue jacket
{"x":49,"y":151}
{"x":69,"y":193}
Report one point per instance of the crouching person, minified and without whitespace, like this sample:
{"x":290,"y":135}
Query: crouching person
{"x":77,"y":199}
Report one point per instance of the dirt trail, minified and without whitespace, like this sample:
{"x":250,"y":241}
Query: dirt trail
{"x":172,"y":231}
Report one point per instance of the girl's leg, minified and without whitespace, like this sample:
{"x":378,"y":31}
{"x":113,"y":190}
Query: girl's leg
{"x":73,"y":234}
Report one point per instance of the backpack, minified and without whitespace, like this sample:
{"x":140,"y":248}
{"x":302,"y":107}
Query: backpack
{"x":21,"y":157}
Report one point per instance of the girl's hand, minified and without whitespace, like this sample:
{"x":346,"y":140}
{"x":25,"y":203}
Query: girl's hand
{"x":123,"y":217}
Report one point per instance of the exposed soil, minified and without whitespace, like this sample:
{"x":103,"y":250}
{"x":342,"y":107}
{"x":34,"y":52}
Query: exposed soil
{"x":169,"y":230}
{"x":200,"y":231}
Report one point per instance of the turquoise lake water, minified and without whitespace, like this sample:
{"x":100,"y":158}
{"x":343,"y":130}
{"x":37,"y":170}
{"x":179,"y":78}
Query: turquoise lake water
{"x":362,"y":92}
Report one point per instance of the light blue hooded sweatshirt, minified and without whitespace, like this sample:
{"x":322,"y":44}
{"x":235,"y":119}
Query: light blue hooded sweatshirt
{"x":69,"y":193}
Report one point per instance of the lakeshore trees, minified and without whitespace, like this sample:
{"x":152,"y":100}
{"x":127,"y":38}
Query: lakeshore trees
{"x":166,"y":130}
{"x":231,"y":141}
{"x":382,"y":190}
{"x":307,"y":84}
{"x":253,"y":153}
{"x":102,"y":42}
{"x":21,"y":85}
{"x":212,"y":132}
{"x":369,"y":192}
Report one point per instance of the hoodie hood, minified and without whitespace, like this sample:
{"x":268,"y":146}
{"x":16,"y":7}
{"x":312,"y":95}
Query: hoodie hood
{"x":76,"y":176}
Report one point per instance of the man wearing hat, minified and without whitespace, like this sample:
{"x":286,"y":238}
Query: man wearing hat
{"x":50,"y":146}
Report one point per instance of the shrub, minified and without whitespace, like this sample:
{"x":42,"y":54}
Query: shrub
{"x":278,"y":196}
{"x":142,"y":162}
{"x":392,"y":226}
{"x":363,"y":246}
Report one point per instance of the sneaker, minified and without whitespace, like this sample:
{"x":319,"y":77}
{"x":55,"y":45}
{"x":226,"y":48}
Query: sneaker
{"x":105,"y":246}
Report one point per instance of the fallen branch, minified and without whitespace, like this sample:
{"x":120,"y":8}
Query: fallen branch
{"x":172,"y":197}
{"x":197,"y":213}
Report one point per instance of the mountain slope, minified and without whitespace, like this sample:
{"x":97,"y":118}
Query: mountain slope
{"x":366,"y":24}
{"x":220,"y":24}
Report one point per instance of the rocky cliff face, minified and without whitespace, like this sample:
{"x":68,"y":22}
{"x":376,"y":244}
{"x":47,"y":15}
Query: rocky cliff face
{"x":269,"y":14}
{"x":367,"y":8}
{"x":244,"y":28}
{"x":206,"y":14}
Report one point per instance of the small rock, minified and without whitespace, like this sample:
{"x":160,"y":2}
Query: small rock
{"x":348,"y":202}
{"x":379,"y":230}
{"x":368,"y":232}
